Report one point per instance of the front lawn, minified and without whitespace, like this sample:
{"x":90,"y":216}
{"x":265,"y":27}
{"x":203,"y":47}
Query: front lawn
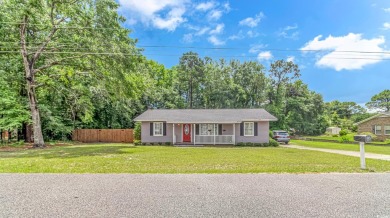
{"x":349,"y":136}
{"x":379,"y":149}
{"x":125,"y":158}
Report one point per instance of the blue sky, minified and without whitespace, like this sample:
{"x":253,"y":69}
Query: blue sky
{"x":341,"y":46}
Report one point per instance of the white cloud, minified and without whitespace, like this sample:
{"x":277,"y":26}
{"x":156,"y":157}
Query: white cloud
{"x":291,"y":58}
{"x":386,"y":26}
{"x":386,"y":10}
{"x":188,"y":38}
{"x":264,"y":56}
{"x":218,"y":29}
{"x":150,"y":12}
{"x":334,"y":48}
{"x":289,"y":32}
{"x":214,"y":15}
{"x":256,"y":48}
{"x":252,"y":22}
{"x":238,"y":36}
{"x":205,"y":6}
{"x":252,"y":34}
{"x":202,"y":31}
{"x":215,"y":41}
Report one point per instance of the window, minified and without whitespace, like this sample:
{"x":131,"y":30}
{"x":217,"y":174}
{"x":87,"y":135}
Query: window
{"x":208,"y":129}
{"x":157,"y":129}
{"x":248,"y":128}
{"x":387,"y":130}
{"x":377,"y":130}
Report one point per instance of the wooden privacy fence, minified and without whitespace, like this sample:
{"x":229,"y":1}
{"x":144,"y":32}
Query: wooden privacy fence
{"x":103,"y":135}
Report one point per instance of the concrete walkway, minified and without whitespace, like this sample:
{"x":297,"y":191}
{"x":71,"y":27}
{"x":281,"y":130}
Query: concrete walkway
{"x":348,"y":153}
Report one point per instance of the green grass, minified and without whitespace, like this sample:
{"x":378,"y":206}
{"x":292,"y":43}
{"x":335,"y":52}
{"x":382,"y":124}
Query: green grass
{"x":350,"y":138}
{"x":378,"y":149}
{"x":124,"y":158}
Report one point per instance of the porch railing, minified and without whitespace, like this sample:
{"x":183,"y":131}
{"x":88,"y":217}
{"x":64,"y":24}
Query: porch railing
{"x":217,"y":139}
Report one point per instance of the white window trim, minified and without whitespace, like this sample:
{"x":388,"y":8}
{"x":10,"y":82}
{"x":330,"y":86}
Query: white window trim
{"x":216,"y":130}
{"x":378,"y":130}
{"x":384,"y":130}
{"x":154,"y":129}
{"x":253,"y":128}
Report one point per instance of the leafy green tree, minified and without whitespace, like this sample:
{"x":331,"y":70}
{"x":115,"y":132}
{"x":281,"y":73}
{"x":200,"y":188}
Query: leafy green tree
{"x":380,"y":101}
{"x":49,"y":33}
{"x":190,"y":76}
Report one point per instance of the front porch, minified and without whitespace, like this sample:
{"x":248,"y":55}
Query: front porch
{"x":204,"y":133}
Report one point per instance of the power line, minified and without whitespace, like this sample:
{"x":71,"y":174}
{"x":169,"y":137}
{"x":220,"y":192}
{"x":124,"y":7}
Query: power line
{"x":179,"y":55}
{"x":59,"y":27}
{"x":234,"y":48}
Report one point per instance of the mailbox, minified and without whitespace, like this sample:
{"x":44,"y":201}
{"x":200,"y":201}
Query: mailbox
{"x":362,"y":138}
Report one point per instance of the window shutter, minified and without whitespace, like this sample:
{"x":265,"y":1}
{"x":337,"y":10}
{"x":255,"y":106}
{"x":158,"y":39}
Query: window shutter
{"x":196,"y":129}
{"x":241,"y":129}
{"x":219,"y":129}
{"x":255,"y":124}
{"x":164,"y":129}
{"x":151,"y":129}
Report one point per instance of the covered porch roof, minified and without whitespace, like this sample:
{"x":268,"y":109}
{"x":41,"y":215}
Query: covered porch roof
{"x":205,"y":115}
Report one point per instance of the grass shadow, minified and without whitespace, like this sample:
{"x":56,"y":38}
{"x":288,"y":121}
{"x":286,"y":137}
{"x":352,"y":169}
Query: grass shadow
{"x":64,"y":152}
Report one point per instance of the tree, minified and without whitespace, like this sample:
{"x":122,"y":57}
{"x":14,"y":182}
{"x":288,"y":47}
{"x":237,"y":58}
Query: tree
{"x":50,"y":33}
{"x":380,"y":101}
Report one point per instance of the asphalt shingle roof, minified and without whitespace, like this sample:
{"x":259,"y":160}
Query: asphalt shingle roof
{"x":205,"y":115}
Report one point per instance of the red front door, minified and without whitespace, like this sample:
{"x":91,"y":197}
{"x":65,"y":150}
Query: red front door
{"x":186,"y":132}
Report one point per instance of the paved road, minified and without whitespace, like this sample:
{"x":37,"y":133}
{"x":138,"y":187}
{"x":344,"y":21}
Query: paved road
{"x":195,"y":195}
{"x":348,"y":153}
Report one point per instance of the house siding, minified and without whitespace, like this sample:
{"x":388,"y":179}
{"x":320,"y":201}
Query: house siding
{"x":379,"y":121}
{"x":147,"y":138}
{"x":262,"y":134}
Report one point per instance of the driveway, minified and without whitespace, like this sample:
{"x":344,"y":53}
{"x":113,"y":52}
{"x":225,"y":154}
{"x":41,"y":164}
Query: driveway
{"x":348,"y":153}
{"x":195,"y":195}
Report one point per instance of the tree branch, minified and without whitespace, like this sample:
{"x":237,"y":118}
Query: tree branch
{"x":23,"y":47}
{"x":50,"y":36}
{"x":57,"y":62}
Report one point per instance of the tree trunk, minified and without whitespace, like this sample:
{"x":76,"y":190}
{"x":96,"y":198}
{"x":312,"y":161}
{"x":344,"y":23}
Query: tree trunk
{"x":30,"y":86}
{"x":36,"y":118}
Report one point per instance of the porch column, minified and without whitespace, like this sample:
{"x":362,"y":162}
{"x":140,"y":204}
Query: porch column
{"x":234,"y":133}
{"x":173,"y":134}
{"x":214,"y":132}
{"x":194,"y":133}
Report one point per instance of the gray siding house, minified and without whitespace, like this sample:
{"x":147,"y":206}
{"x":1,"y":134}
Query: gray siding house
{"x":205,"y":126}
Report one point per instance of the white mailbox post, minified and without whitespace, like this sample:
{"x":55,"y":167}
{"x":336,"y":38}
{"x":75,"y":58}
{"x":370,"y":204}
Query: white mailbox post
{"x":362,"y":139}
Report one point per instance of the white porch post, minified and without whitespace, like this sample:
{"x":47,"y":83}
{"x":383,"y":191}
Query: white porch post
{"x":214,"y":133}
{"x":234,"y":133}
{"x":194,"y":134}
{"x":173,"y":134}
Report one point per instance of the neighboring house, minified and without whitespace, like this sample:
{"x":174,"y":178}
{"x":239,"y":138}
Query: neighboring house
{"x":378,"y":124}
{"x":333,"y":130}
{"x":205,"y":126}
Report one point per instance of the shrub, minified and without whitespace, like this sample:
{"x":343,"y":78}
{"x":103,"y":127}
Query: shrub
{"x":335,"y":135}
{"x":137,"y":131}
{"x":344,"y":138}
{"x":137,"y":142}
{"x":159,"y":143}
{"x":151,"y":143}
{"x":258,"y":144}
{"x":271,"y":134}
{"x":143,"y":143}
{"x":167,"y":143}
{"x":240,"y":144}
{"x":343,"y":132}
{"x":273,"y":143}
{"x":249,"y":144}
